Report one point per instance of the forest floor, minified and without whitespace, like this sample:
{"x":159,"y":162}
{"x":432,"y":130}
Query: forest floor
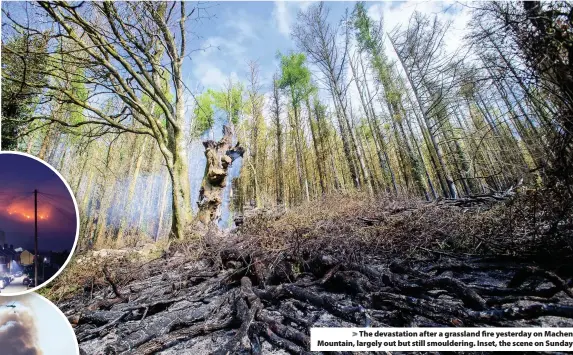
{"x":350,"y":260}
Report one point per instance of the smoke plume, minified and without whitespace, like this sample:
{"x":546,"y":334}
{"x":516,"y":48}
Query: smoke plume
{"x":18,"y":334}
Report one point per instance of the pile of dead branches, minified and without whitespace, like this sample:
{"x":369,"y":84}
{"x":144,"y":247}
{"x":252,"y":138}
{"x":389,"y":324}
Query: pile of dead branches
{"x":528,"y":223}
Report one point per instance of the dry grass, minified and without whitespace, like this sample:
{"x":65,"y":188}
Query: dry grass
{"x":356,"y":224}
{"x":355,"y":227}
{"x":78,"y":274}
{"x":85,"y":271}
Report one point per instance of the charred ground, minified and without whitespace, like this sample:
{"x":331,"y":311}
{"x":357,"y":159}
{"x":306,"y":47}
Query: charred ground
{"x":496,"y":260}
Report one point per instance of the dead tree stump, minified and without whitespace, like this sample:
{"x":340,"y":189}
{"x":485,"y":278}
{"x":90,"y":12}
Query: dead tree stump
{"x":219,"y":156}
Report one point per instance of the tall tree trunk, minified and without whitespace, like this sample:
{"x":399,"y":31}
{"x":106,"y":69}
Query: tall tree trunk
{"x":451,"y":191}
{"x":30,"y":144}
{"x":360,"y":153}
{"x":415,"y":164}
{"x":253,"y":163}
{"x":353,"y":142}
{"x":375,"y":126}
{"x":45,"y":143}
{"x":302,"y":179}
{"x":491,"y":166}
{"x":538,"y":105}
{"x":338,"y":175}
{"x":319,"y":160}
{"x":370,"y":117}
{"x":421,"y":155}
{"x":180,"y":189}
{"x":280,"y":164}
{"x":279,"y":138}
{"x":83,"y":207}
{"x":347,"y":151}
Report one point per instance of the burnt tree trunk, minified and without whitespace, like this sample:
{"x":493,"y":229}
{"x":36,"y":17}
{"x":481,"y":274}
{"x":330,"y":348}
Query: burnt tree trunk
{"x":219,"y":156}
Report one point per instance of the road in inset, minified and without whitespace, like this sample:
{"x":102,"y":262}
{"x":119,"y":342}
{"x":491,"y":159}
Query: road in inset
{"x":15,"y":286}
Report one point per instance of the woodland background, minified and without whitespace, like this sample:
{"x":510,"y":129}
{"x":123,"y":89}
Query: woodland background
{"x":96,"y":89}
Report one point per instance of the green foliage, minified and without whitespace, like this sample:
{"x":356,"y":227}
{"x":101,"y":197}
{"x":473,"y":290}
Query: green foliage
{"x":295,"y":77}
{"x":258,"y":100}
{"x":371,"y":41}
{"x":81,"y":92}
{"x":236,"y":100}
{"x":230,"y":101}
{"x":468,"y":89}
{"x":393,"y":96}
{"x":363,"y":25}
{"x":203,"y":113}
{"x":70,"y":79}
{"x":368,"y":38}
{"x":364,"y":129}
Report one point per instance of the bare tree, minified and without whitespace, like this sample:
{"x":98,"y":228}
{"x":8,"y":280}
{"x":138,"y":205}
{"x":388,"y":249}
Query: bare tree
{"x":420,"y":49}
{"x":324,"y":47}
{"x":276,"y":111}
{"x":255,"y":105}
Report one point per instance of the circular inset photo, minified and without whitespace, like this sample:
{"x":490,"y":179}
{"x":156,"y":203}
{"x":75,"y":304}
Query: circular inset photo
{"x":38,"y":223}
{"x":32,"y":325}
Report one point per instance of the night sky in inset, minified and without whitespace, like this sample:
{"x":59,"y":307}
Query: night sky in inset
{"x":19,"y":177}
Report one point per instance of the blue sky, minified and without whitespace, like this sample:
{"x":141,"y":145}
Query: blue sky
{"x":237,"y":32}
{"x":242,"y":31}
{"x":230,"y":34}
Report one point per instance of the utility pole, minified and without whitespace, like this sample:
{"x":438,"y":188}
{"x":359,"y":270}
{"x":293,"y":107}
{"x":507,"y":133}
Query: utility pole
{"x":36,"y":237}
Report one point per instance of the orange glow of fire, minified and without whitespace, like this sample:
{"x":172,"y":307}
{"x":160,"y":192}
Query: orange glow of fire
{"x":24,"y":212}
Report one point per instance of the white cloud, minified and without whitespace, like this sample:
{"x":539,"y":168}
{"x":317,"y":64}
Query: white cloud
{"x":375,"y":12}
{"x":233,"y":47}
{"x":282,"y":18}
{"x":241,"y":25}
{"x":209,"y":65}
{"x":209,"y":75}
{"x":284,"y":14}
{"x":223,"y":56}
{"x":397,"y":15}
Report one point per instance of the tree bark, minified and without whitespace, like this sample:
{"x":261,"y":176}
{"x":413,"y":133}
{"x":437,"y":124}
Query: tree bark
{"x":277,"y":118}
{"x":451,"y":191}
{"x":219,"y":156}
{"x":181,"y":191}
{"x":317,"y":150}
{"x":378,"y":133}
{"x":45,"y":143}
{"x":369,"y":118}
